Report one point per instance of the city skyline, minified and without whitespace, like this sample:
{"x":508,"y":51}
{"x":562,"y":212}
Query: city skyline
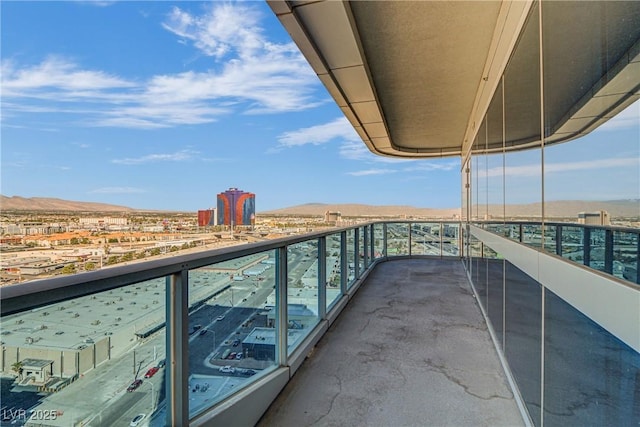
{"x":161,"y":105}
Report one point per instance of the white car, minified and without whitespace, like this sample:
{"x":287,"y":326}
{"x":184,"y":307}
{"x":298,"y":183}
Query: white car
{"x":135,"y":422}
{"x":227,"y":369}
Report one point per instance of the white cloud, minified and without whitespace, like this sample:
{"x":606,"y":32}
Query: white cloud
{"x":320,"y":134}
{"x":99,"y":3}
{"x":152,"y":158}
{"x":117,"y":190}
{"x":535,"y":170}
{"x":225,"y":29}
{"x":628,"y":118}
{"x":428,"y":165}
{"x":246,"y":73}
{"x":371,"y":172}
{"x":58,"y":76}
{"x":271,"y":76}
{"x":356,"y":150}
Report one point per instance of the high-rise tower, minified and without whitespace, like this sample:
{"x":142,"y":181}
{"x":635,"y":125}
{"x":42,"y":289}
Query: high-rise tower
{"x":235,"y":207}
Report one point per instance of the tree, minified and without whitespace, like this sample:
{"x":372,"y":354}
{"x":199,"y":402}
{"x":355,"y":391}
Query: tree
{"x":155,"y":251}
{"x":127,"y":257}
{"x":90,"y":266}
{"x":113,"y":260}
{"x":17,"y":368}
{"x":69,"y":269}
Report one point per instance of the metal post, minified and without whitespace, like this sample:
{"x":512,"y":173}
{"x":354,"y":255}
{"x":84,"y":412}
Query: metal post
{"x":281,"y":307}
{"x":409,"y":232}
{"x":344,"y":264}
{"x":356,"y":252}
{"x":384,"y":240}
{"x":366,"y":246}
{"x":322,"y":277}
{"x":638,"y":258}
{"x":559,"y":240}
{"x":586,"y":246}
{"x":608,"y":251}
{"x":372,"y":242}
{"x":520,"y":235}
{"x":177,"y":337}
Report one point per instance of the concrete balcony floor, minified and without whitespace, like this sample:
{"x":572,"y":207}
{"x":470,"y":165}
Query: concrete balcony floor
{"x":411,"y":349}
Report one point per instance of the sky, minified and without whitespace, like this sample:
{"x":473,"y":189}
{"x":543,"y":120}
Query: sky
{"x":163,"y":105}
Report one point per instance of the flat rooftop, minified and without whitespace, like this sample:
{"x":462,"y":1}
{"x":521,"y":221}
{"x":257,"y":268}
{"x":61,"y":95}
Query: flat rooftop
{"x":410,"y":349}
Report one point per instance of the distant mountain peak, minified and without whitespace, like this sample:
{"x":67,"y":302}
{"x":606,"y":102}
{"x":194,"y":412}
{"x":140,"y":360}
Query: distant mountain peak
{"x":19,"y":203}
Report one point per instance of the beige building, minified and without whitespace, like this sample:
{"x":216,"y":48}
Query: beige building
{"x":332,"y":216}
{"x":594,"y":218}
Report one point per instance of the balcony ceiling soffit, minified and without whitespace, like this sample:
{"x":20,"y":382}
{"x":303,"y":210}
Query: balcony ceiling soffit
{"x":409,"y":75}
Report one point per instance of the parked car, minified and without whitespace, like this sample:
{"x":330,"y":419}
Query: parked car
{"x":134,"y":385}
{"x":227,"y":369}
{"x":151,"y":372}
{"x":232,"y":355}
{"x":236,"y":343}
{"x":203,"y":331}
{"x":135,"y":422}
{"x":239,"y":355}
{"x":219,"y":318}
{"x":162,"y":363}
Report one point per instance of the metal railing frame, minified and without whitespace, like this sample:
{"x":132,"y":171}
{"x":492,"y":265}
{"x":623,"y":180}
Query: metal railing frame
{"x":31,"y":295}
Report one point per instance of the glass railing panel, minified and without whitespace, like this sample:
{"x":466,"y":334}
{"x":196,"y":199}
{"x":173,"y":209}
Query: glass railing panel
{"x":95,"y":360}
{"x":232,"y":335}
{"x":591,"y":377}
{"x":361,"y":249}
{"x":378,"y":240}
{"x":573,"y":243}
{"x":333,"y":261}
{"x":550,"y":238}
{"x":397,"y":239}
{"x":497,"y":228}
{"x":302,"y":291}
{"x":596,"y":249}
{"x":351,"y":257}
{"x":625,"y":256}
{"x":371,"y":249}
{"x":532,"y":235}
{"x":450,"y":239}
{"x":425,"y":239}
{"x":512,"y":232}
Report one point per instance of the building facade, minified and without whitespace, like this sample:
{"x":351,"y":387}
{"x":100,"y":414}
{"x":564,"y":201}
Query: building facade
{"x":207,"y":217}
{"x":236,"y":207}
{"x":594,"y":218}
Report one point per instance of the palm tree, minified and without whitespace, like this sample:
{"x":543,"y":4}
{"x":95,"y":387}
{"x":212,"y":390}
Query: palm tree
{"x":17,"y":368}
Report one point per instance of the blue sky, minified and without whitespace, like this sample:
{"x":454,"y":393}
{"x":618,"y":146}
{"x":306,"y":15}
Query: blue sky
{"x":162,"y":105}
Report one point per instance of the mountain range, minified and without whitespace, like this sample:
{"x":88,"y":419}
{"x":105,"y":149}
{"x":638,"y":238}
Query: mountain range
{"x":562,"y":208}
{"x":559,"y":208}
{"x":17,"y":203}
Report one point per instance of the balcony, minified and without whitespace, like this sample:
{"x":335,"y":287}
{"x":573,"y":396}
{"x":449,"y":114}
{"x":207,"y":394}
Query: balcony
{"x":382,"y":323}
